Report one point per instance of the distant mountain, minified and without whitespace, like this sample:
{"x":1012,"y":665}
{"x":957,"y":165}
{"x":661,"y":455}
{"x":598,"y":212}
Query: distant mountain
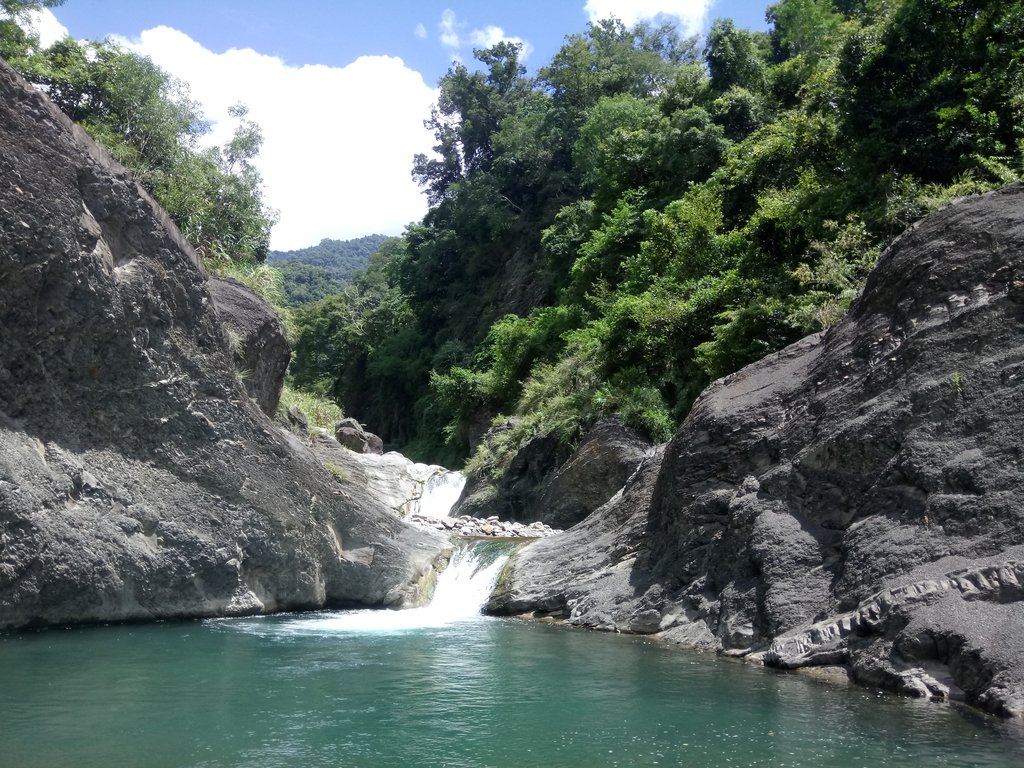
{"x":319,"y":270}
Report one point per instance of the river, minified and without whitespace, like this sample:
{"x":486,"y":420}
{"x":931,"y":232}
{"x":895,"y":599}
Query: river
{"x":443,"y":687}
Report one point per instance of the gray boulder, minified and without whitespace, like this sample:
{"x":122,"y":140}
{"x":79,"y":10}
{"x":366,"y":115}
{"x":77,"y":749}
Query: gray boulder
{"x":137,"y":478}
{"x":257,"y":339}
{"x":515,"y":495}
{"x":544,"y":484}
{"x":395,"y":480}
{"x":852,"y":499}
{"x":350,"y":433}
{"x":609,"y":454}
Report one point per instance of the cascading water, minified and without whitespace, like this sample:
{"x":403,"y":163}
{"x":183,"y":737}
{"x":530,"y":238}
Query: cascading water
{"x":461,"y":591}
{"x":465,"y":585}
{"x":440,"y":492}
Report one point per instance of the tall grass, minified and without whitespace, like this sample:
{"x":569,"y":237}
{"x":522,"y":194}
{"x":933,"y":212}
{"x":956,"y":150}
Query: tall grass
{"x":322,"y":412}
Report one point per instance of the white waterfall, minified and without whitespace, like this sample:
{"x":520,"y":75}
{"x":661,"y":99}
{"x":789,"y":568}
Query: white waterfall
{"x":460,"y":594}
{"x":465,"y":585}
{"x":440,"y":492}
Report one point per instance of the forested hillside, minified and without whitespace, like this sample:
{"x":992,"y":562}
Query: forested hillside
{"x":651,"y":212}
{"x":647,"y":213}
{"x":310,"y":274}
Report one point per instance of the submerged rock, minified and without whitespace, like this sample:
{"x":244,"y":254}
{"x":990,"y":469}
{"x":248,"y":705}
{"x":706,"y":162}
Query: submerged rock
{"x":137,"y":478}
{"x":852,"y":499}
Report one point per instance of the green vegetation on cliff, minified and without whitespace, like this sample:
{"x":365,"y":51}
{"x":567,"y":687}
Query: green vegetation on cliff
{"x":649,"y":213}
{"x":148,"y":122}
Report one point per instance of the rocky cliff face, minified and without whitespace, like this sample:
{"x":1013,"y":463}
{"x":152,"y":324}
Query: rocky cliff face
{"x":854,"y":499}
{"x":257,"y":339}
{"x":544,"y":485}
{"x":137,"y":479}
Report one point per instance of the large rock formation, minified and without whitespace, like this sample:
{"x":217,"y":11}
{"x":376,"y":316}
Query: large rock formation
{"x":258,"y":343}
{"x":395,"y":480}
{"x":137,"y":479}
{"x":854,"y":499}
{"x":606,"y":458}
{"x":543,"y":484}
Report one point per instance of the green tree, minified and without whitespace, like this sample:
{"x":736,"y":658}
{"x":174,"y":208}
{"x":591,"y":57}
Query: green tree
{"x":469,"y":111}
{"x":147,"y":121}
{"x":635,"y":222}
{"x":15,"y":42}
{"x":734,"y":57}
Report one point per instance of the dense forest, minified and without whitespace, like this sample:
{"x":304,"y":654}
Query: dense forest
{"x":310,"y":274}
{"x":644,"y":214}
{"x":650,"y":212}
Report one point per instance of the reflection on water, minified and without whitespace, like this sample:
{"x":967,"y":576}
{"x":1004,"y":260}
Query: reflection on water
{"x":334,"y":689}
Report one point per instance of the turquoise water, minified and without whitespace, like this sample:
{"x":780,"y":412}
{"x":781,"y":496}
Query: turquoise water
{"x":352,"y":689}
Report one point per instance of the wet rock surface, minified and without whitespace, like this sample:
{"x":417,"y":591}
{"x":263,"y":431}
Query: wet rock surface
{"x":853,"y":499}
{"x":138,"y":480}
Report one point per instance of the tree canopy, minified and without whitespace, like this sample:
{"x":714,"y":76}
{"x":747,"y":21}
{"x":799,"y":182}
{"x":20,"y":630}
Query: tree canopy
{"x":645,"y":214}
{"x":148,"y":122}
{"x":651,"y":212}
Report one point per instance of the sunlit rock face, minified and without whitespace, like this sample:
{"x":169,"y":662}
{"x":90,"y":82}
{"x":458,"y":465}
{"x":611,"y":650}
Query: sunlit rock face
{"x":137,"y":478}
{"x":853,"y":499}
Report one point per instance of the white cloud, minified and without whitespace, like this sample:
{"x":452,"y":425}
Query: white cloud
{"x":689,"y":13}
{"x":449,"y":27}
{"x":420,"y":32}
{"x":452,"y":38}
{"x":491,"y":35}
{"x":338,"y":142}
{"x":46,"y":26}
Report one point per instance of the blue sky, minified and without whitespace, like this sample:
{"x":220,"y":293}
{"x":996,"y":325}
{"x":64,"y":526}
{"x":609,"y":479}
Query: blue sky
{"x":341,"y":88}
{"x":336,"y":33}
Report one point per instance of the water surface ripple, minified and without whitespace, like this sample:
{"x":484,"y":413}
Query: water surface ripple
{"x":348,"y":689}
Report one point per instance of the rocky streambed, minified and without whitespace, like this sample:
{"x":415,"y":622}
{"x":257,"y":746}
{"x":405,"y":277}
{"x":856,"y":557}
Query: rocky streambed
{"x":474,"y":527}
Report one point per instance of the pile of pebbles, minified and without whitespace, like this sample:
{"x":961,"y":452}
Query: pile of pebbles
{"x":492,"y":526}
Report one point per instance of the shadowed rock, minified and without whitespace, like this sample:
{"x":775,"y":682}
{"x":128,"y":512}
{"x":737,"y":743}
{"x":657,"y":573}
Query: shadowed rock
{"x":543,"y":484}
{"x":609,"y":454}
{"x":257,"y":340}
{"x":841,"y":473}
{"x":350,"y":433}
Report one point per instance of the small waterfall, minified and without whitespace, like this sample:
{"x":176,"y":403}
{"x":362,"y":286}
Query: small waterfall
{"x":440,"y":492}
{"x":465,"y":585}
{"x":461,"y":592}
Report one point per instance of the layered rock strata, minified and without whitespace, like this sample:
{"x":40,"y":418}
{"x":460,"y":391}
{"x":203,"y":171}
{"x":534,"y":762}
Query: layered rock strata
{"x":137,"y":478}
{"x":854,"y":498}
